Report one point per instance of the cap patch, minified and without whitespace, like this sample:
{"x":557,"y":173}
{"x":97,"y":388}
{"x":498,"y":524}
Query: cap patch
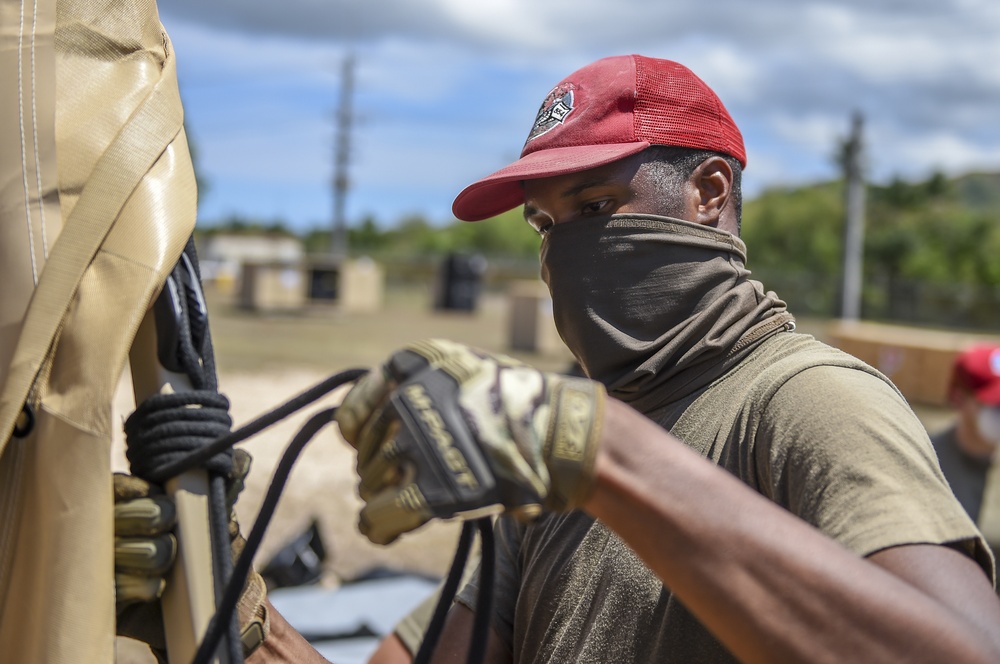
{"x":554,"y":111}
{"x":995,"y":362}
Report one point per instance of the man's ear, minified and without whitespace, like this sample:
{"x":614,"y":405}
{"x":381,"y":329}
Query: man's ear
{"x":711,"y":186}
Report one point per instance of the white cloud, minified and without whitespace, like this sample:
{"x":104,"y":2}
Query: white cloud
{"x":811,"y":133}
{"x":941,"y":151}
{"x":735,"y":78}
{"x":445,"y":89}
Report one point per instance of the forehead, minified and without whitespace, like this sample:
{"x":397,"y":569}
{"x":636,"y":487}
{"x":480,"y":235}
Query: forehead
{"x":620,"y":173}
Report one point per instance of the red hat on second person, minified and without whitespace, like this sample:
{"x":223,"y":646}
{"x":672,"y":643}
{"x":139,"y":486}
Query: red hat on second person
{"x":610,"y":109}
{"x":977,"y":370}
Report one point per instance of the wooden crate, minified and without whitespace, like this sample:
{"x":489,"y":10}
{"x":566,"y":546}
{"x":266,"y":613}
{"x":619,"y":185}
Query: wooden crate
{"x":918,"y":361}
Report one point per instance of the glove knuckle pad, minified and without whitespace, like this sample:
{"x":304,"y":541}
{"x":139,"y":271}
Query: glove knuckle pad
{"x":145,"y":556}
{"x":450,"y":468}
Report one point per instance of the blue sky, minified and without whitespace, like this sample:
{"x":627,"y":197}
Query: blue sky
{"x":446,"y":90}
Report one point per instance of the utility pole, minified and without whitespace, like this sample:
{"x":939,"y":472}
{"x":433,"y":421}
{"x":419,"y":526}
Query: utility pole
{"x":342,"y":153}
{"x":854,"y":226}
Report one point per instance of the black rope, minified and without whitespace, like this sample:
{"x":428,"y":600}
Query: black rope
{"x":448,"y":590}
{"x":199,"y":326}
{"x":484,"y":602}
{"x":166,"y":427}
{"x":230,"y":595}
{"x":222,"y":562}
{"x":196,"y":458}
{"x":234,"y":588}
{"x":169,"y":434}
{"x":169,"y":463}
{"x":196,"y":358}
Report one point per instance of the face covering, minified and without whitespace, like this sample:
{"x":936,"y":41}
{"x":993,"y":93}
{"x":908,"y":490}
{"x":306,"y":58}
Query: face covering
{"x":655,"y":307}
{"x":988,"y":423}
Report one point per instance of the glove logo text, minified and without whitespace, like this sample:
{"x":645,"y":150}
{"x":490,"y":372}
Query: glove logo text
{"x":417,"y":397}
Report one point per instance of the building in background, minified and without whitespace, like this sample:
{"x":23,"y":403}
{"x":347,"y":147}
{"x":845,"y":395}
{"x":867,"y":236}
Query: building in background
{"x":223,"y":254}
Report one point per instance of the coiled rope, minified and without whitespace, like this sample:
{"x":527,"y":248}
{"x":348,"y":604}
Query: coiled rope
{"x":234,"y":588}
{"x":169,"y":434}
{"x":165,"y":427}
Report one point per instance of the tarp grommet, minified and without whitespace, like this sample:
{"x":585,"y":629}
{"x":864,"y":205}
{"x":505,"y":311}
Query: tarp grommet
{"x":25,"y":422}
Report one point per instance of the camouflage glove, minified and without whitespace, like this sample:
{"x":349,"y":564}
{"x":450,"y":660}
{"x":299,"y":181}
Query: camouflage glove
{"x":145,"y":546}
{"x":145,"y":549}
{"x":445,"y":430}
{"x":252,"y":605}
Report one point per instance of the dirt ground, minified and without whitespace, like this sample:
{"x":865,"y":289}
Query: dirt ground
{"x":264,"y":360}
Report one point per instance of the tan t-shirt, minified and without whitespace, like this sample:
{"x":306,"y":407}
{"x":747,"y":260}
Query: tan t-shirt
{"x":809,"y":427}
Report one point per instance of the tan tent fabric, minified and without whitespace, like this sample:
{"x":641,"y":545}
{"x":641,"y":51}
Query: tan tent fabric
{"x":29,"y":199}
{"x":97,"y":198}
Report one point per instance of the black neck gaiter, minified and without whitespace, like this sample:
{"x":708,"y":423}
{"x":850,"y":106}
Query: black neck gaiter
{"x":655,"y":307}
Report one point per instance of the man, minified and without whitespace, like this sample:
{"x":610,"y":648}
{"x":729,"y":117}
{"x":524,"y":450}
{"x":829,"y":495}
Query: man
{"x":966,"y":448}
{"x":724,"y":489}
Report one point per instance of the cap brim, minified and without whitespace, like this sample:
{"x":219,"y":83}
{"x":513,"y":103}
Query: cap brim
{"x":501,"y":191}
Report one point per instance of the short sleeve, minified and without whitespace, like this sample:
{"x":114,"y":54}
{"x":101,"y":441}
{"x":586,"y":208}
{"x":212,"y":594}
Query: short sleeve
{"x":412,"y":627}
{"x":842,"y":450}
{"x":509,"y":533}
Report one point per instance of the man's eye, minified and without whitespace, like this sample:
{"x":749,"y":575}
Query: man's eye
{"x":543,"y":228}
{"x":595,"y":206}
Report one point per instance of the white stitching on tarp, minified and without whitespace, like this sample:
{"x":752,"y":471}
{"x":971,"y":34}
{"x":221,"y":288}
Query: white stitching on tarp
{"x":24,"y":163}
{"x":34,"y":133}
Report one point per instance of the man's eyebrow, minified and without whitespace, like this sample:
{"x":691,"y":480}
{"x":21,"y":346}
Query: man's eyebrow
{"x":571,"y":191}
{"x":583,"y":186}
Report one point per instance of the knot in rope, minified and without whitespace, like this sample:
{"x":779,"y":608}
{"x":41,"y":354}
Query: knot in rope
{"x":168,"y":427}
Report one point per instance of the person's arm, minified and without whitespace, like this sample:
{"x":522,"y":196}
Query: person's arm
{"x":768,"y":585}
{"x":391,"y":650}
{"x":284,"y":645}
{"x":453,"y":646}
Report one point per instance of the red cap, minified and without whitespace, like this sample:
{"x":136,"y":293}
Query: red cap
{"x":611,"y":109}
{"x":977,"y":370}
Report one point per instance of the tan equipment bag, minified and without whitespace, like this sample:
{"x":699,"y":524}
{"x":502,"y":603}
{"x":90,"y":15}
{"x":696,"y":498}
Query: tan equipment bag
{"x":97,"y":199}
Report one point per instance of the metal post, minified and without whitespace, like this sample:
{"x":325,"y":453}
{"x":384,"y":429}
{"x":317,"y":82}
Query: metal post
{"x":854,"y":228}
{"x":338,"y":239}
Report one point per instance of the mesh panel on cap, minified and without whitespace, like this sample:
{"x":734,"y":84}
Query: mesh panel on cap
{"x":674,"y":107}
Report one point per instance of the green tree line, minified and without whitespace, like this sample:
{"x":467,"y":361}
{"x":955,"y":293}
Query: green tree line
{"x":506,"y":236}
{"x":938,"y":230}
{"x":930,"y":253}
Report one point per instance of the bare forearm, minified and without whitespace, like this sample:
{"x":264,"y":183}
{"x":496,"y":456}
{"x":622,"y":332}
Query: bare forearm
{"x":284,"y":645}
{"x":453,"y":646}
{"x":768,"y":585}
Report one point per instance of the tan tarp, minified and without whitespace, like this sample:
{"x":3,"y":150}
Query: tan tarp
{"x":97,"y":198}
